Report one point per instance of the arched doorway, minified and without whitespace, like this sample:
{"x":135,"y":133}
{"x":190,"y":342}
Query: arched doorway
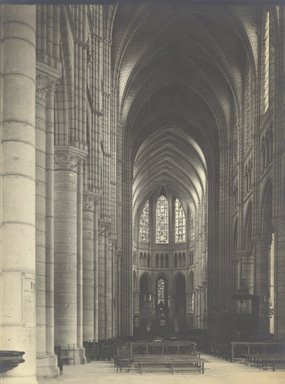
{"x":180,"y":303}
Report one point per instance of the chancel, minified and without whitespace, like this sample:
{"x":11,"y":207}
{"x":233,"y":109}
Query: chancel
{"x":142,"y":186}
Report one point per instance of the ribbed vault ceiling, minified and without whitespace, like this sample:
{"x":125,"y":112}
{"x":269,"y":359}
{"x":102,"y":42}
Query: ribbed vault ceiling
{"x":179,"y":71}
{"x":163,"y":160}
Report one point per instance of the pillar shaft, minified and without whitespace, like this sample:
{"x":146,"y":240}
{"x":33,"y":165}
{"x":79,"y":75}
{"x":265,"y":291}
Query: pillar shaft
{"x":88,"y":268}
{"x":280,"y":282}
{"x":96,"y":271}
{"x":261,"y":284}
{"x":17,"y":278}
{"x":50,"y":220}
{"x":42,"y":87}
{"x":65,"y":248}
{"x":109,"y":290}
{"x":80,"y":257}
{"x":101,"y":283}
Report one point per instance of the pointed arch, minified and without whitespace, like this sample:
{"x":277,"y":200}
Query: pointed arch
{"x":180,"y":295}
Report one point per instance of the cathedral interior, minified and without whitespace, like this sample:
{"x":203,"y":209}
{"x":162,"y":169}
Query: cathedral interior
{"x":142,"y":176}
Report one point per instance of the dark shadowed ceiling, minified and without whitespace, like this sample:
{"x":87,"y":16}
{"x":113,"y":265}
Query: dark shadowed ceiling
{"x":179,"y":70}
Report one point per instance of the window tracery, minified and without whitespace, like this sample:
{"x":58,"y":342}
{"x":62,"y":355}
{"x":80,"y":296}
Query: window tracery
{"x":144,"y":223}
{"x":180,"y":223}
{"x":162,"y":216}
{"x":161,"y":291}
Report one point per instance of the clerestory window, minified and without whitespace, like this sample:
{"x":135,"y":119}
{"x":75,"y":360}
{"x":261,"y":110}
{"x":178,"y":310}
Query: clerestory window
{"x":144,"y":223}
{"x":180,"y":223}
{"x":162,"y":218}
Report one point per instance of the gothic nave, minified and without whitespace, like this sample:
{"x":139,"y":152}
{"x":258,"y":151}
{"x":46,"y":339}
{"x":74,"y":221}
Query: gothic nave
{"x":142,"y":176}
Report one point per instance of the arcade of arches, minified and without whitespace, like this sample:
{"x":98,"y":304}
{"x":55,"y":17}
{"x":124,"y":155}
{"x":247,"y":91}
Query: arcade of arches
{"x":142,"y":174}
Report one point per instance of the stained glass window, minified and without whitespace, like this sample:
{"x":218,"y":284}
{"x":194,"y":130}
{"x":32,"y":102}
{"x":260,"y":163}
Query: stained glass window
{"x":144,"y":223}
{"x":180,"y":223}
{"x":266,"y":61}
{"x":162,"y":220}
{"x":161,"y":292}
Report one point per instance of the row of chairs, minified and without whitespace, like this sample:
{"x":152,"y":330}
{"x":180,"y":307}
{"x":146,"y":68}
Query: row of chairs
{"x":100,"y":350}
{"x":265,"y":361}
{"x":126,"y":358}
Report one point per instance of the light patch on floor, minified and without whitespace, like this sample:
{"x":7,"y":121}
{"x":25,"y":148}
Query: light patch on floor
{"x":216,"y":372}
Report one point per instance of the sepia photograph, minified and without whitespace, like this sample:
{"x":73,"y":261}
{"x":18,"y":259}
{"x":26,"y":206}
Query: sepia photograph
{"x":142,"y":192}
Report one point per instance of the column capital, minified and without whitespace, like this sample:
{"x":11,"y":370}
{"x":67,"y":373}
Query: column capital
{"x":42,"y":84}
{"x":105,"y":221}
{"x":113,"y":237}
{"x":110,"y":245}
{"x":46,"y":78}
{"x":68,"y":158}
{"x":52,"y":73}
{"x":88,"y":201}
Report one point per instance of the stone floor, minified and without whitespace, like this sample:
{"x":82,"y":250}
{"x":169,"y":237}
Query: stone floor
{"x":216,"y":372}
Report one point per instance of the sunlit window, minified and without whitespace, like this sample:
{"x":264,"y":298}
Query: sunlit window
{"x":161,"y":291}
{"x":162,"y":220}
{"x":144,"y":223}
{"x":266,"y":61}
{"x":180,"y":223}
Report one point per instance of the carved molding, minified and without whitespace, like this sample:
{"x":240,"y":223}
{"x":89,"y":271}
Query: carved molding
{"x":42,"y":85}
{"x":105,"y":221}
{"x":68,"y":158}
{"x":88,"y":201}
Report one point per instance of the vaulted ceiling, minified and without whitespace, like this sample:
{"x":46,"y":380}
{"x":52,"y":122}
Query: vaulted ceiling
{"x":179,"y":68}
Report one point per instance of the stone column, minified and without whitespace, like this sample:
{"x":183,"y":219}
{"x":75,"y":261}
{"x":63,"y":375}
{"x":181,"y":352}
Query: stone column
{"x":118,"y":297}
{"x":261,"y":284}
{"x":205,"y":314}
{"x":17,"y":278}
{"x":41,"y":91}
{"x":66,"y":164}
{"x":80,"y":261}
{"x":101,"y":282}
{"x":109,"y":291}
{"x":50,"y":227}
{"x":280,"y":281}
{"x":88,"y":267}
{"x":96,"y":267}
{"x":114,"y":289}
{"x":46,"y":361}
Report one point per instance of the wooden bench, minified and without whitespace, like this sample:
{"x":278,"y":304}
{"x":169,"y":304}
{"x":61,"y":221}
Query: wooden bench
{"x":265,"y":361}
{"x":241,"y":348}
{"x":163,"y":347}
{"x":169,"y":363}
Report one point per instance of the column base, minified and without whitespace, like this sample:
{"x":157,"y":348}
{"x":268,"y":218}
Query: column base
{"x":47,"y":366}
{"x":72,"y":355}
{"x":81,"y":355}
